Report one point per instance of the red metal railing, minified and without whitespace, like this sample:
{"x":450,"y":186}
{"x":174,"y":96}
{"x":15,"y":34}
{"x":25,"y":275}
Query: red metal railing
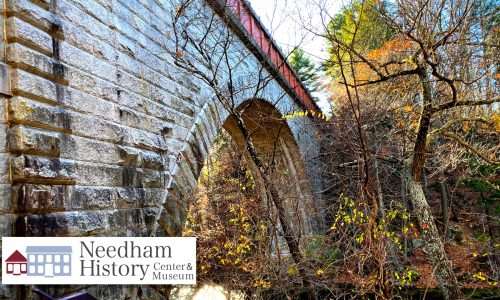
{"x":255,"y":29}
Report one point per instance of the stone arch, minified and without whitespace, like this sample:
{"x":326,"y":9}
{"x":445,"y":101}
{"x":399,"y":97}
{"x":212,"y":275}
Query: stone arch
{"x":273,"y":137}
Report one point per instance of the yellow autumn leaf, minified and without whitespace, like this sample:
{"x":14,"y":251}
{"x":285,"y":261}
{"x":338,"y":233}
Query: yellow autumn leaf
{"x":496,"y":120}
{"x":466,"y":127}
{"x":408,"y":108}
{"x":480,"y":276}
{"x":292,"y":270}
{"x":320,"y":272}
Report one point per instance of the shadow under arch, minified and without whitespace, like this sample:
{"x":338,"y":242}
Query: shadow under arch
{"x":276,"y":146}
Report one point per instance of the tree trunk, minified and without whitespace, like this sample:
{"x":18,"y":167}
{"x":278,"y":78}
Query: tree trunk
{"x":444,"y":206}
{"x":291,"y":240}
{"x":433,"y":245}
{"x":380,"y":195}
{"x":425,"y":182}
{"x":379,"y":189}
{"x":290,"y":237}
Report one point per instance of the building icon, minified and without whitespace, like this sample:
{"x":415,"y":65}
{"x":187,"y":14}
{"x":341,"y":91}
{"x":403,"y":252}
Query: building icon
{"x":49,"y":261}
{"x":16,"y":264}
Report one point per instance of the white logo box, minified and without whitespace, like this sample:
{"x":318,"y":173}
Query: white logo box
{"x":98,"y":260}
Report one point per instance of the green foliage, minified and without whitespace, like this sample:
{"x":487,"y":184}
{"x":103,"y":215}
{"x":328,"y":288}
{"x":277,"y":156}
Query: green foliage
{"x":321,"y":250}
{"x":371,"y":33}
{"x":305,"y":68}
{"x":484,"y":180}
{"x":407,"y":277}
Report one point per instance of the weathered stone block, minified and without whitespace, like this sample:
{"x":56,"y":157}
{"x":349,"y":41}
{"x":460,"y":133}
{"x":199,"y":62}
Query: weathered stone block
{"x":5,"y":80}
{"x":176,"y":207}
{"x":132,"y":177}
{"x":91,"y":84}
{"x":126,"y":218}
{"x":30,"y":140}
{"x":86,"y":62}
{"x":140,"y":197}
{"x":26,"y":33}
{"x":154,"y":178}
{"x":3,"y":137}
{"x":4,"y":168}
{"x":112,"y":132}
{"x":172,"y":218}
{"x":132,"y":33}
{"x":150,"y":214}
{"x":174,"y":145}
{"x":6,"y":221}
{"x":71,"y":14}
{"x":151,"y":160}
{"x":34,"y":13}
{"x":147,"y":12}
{"x":99,"y":175}
{"x":201,"y":138}
{"x":2,"y":37}
{"x":3,"y":103}
{"x":79,"y":101}
{"x":148,"y":107}
{"x":61,"y":223}
{"x":86,"y":149}
{"x":35,"y":86}
{"x":108,"y":175}
{"x":185,"y":179}
{"x":79,"y":38}
{"x":54,"y":224}
{"x":21,"y":56}
{"x":7,"y":291}
{"x":136,"y":119}
{"x":5,"y":198}
{"x":194,"y":157}
{"x":39,"y":197}
{"x":91,"y":150}
{"x":26,"y":111}
{"x":29,"y":167}
{"x":88,"y":197}
{"x":141,"y":139}
{"x":89,"y":222}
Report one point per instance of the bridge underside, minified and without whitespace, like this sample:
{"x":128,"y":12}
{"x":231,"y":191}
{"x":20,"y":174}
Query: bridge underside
{"x":276,"y":145}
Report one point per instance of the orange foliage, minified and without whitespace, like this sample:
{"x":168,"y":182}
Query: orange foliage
{"x":394,"y":50}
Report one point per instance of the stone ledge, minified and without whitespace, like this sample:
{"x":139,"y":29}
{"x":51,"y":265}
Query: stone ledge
{"x":5,"y":80}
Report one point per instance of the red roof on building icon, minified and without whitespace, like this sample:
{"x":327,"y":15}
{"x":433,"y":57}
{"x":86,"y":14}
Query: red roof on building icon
{"x":16,"y":257}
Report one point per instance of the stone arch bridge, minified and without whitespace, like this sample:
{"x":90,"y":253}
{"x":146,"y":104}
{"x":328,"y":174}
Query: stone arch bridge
{"x":101,"y":134}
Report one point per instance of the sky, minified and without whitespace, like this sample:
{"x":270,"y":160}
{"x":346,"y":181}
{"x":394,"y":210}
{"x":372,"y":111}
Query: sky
{"x":286,"y":19}
{"x":295,"y":23}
